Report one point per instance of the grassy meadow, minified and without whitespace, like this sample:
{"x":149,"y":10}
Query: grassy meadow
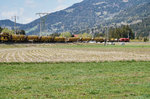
{"x":76,"y":45}
{"x":75,"y":71}
{"x":89,"y":80}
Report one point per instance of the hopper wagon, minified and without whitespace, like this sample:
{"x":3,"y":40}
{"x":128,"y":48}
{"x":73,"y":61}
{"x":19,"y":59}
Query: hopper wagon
{"x":73,"y":39}
{"x":45,"y":39}
{"x":18,"y":38}
{"x":59,"y":39}
{"x":32,"y":38}
{"x":6,"y":37}
{"x":87,"y":39}
{"x":99,"y":39}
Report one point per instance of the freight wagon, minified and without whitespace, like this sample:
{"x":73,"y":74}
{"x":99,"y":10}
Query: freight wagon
{"x":5,"y":37}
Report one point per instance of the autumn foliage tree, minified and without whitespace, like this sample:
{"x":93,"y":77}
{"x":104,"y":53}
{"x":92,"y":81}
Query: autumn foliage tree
{"x":65,"y":34}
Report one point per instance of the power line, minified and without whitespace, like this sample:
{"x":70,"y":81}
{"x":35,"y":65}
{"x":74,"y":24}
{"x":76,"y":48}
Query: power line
{"x":41,"y":15}
{"x":15,"y":22}
{"x":149,"y":36}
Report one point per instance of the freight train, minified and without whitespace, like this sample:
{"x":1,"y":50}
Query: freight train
{"x":5,"y":37}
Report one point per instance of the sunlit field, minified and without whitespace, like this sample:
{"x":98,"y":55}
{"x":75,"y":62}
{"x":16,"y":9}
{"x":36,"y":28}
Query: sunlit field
{"x":74,"y":52}
{"x":75,"y":49}
{"x":75,"y":71}
{"x":102,"y":80}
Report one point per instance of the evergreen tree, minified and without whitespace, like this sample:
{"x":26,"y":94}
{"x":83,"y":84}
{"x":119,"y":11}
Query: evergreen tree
{"x":1,"y":29}
{"x":21,"y":32}
{"x":121,"y":32}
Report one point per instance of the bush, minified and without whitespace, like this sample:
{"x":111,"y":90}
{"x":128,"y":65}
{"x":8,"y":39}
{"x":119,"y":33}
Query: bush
{"x":5,"y":30}
{"x":65,"y":34}
{"x":146,"y":39}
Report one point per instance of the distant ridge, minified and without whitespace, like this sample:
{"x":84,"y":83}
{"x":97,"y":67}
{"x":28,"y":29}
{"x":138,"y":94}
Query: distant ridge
{"x":90,"y":13}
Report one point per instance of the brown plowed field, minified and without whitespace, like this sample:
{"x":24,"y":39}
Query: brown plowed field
{"x":73,"y":52}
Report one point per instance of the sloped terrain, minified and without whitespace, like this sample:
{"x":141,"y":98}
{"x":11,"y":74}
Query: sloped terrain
{"x":90,"y":13}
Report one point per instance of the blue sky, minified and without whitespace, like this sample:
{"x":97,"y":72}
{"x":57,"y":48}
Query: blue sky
{"x":26,"y":9}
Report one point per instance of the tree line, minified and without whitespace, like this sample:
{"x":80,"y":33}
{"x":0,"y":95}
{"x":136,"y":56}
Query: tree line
{"x":118,"y":32}
{"x":121,"y":32}
{"x":6,"y":30}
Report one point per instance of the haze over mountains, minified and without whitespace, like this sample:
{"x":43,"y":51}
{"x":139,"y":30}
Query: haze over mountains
{"x":88,"y":14}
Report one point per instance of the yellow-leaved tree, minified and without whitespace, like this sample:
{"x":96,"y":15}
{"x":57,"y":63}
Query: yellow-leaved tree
{"x":65,"y":34}
{"x":6,"y":30}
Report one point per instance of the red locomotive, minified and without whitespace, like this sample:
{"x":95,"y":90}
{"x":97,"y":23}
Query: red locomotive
{"x":124,"y":40}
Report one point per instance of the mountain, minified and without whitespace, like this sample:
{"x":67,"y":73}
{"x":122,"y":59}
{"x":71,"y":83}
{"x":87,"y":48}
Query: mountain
{"x":9,"y":24}
{"x":142,"y":28}
{"x":91,"y":13}
{"x":138,"y":17}
{"x":133,"y":14}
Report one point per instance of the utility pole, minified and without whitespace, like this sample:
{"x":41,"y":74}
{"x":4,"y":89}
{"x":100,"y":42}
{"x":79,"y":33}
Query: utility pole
{"x":94,"y":31}
{"x":15,"y":21}
{"x":149,"y":36}
{"x":106,"y":35}
{"x":41,"y":15}
{"x":63,"y":30}
{"x":135,"y":35}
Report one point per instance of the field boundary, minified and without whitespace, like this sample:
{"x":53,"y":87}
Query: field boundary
{"x":130,"y":61}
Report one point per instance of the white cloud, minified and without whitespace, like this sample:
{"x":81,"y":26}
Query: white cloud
{"x":125,"y":0}
{"x":60,"y":1}
{"x":22,"y":10}
{"x":60,"y":7}
{"x":80,"y":0}
{"x":27,"y":20}
{"x":9,"y":14}
{"x":20,"y":16}
{"x":30,"y":3}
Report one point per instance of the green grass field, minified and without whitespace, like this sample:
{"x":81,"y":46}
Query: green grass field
{"x":76,"y":45}
{"x":102,"y":80}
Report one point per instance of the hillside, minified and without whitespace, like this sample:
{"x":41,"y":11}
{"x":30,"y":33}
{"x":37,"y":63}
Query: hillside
{"x":8,"y":24}
{"x":137,"y":17}
{"x":133,"y":15}
{"x":142,"y":28}
{"x":90,"y":13}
